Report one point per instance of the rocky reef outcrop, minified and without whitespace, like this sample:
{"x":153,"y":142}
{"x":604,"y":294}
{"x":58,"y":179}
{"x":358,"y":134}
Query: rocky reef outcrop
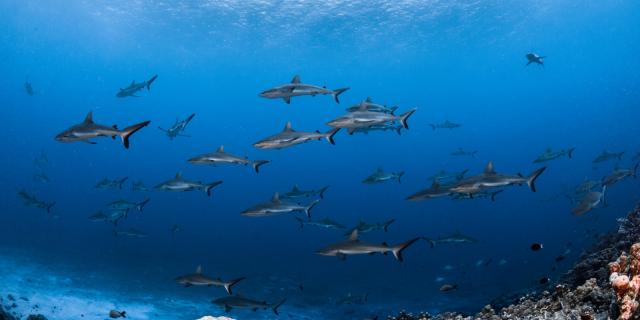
{"x":604,"y":284}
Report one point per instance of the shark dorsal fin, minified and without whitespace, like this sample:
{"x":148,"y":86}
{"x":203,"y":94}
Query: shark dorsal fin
{"x":368,"y":100}
{"x":435,"y":185}
{"x":296,"y":79}
{"x":220,"y":149}
{"x":489,"y":168}
{"x":549,"y":150}
{"x":89,"y":117}
{"x":179,"y":175}
{"x":295,"y":188}
{"x":275,"y":198}
{"x":199,"y":270}
{"x":362,"y":106}
{"x":287,"y":127}
{"x":354,"y":235}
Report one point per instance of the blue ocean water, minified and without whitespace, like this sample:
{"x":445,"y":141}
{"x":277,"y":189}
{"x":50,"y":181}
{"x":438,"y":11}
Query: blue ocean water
{"x":462,"y":61}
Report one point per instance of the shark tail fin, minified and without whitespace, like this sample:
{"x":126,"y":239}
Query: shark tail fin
{"x":276,"y":306}
{"x":635,"y":170}
{"x":128,"y":131}
{"x":322,"y":191}
{"x":307,"y":210}
{"x":337,"y":92}
{"x":433,"y":126}
{"x":330,"y":134}
{"x":301,"y":222}
{"x":141,"y":205}
{"x":256,"y":165}
{"x":49,"y":206}
{"x":397,"y":250}
{"x":570,"y":152}
{"x":432,"y":242}
{"x":404,"y":117}
{"x":228,"y":285}
{"x":121,"y":182}
{"x":400,"y":174}
{"x":387,"y":224}
{"x":150,"y":81}
{"x":123,"y":314}
{"x":210,"y":186}
{"x":494,"y":194}
{"x":531,"y":179}
{"x":619,"y":155}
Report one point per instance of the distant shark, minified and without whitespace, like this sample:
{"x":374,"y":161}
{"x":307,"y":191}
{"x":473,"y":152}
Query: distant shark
{"x":221,"y":157}
{"x":297,"y":88}
{"x":289,"y":137}
{"x":353,"y":246}
{"x":534,"y":58}
{"x":88,"y":130}
{"x":199,"y":279}
{"x":277,"y":207}
{"x":180,"y":184}
{"x":134,"y":87}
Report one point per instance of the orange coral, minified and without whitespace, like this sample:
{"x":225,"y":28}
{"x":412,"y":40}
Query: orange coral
{"x":625,"y":280}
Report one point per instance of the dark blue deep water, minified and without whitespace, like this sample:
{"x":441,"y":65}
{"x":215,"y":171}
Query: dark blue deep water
{"x":462,"y":61}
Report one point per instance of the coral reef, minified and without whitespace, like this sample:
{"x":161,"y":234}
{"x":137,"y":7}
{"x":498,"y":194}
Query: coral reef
{"x":594,"y":289}
{"x":625,"y":281}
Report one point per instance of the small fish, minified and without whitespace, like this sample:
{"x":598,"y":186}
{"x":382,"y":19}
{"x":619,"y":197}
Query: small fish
{"x":117,"y":314}
{"x":461,"y":153}
{"x":536,"y":246}
{"x":445,"y":125}
{"x":544,"y":280}
{"x":448,"y":287}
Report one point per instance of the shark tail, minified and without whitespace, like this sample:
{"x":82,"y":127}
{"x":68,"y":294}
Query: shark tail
{"x":433,"y":126}
{"x":141,"y":205}
{"x":229,"y":284}
{"x":494,"y":194}
{"x":531,"y":179}
{"x":387,"y":224}
{"x":128,"y":131}
{"x":330,"y":134}
{"x":619,"y":155}
{"x":432,"y":242}
{"x":307,"y":210}
{"x":121,"y":182}
{"x":570,"y":152}
{"x":276,"y":306}
{"x":321,"y":193}
{"x":150,"y":81}
{"x":256,"y":165}
{"x":400,"y":174}
{"x":337,"y":92}
{"x":635,"y":170}
{"x":49,"y":206}
{"x":210,"y":186}
{"x":397,"y":250}
{"x":404,"y":117}
{"x":301,"y":222}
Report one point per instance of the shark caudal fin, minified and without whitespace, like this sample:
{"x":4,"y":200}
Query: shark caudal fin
{"x":433,"y":126}
{"x":404,"y":117}
{"x":432,"y":242}
{"x":256,"y":165}
{"x":121,"y":182}
{"x":635,"y":170}
{"x":307,"y":210}
{"x":619,"y":155}
{"x":322,"y":191}
{"x":337,"y":92}
{"x":531,"y":179}
{"x":49,"y":206}
{"x":397,"y":250}
{"x":128,"y":131}
{"x":210,"y":186}
{"x":141,"y":205}
{"x":150,"y":81}
{"x":570,"y":152}
{"x":330,"y":134}
{"x":276,"y":306}
{"x":387,"y":224}
{"x":229,"y":284}
{"x":400,"y":174}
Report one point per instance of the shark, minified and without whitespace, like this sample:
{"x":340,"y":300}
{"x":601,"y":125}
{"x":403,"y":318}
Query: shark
{"x":277,"y":207}
{"x":87,"y":130}
{"x":324,"y":223}
{"x":297,"y":193}
{"x":380,"y":176}
{"x":442,"y":175}
{"x":461,"y":152}
{"x":445,"y":125}
{"x":549,"y":155}
{"x":608,"y":155}
{"x":434,"y":191}
{"x":221,"y":157}
{"x":456,"y":238}
{"x":491,"y":179}
{"x":139,"y":186}
{"x":374,"y":107}
{"x":134,"y":87}
{"x":590,"y":201}
{"x":178,"y":127}
{"x":31,"y":200}
{"x":180,"y":184}
{"x":397,"y":128}
{"x":619,"y":174}
{"x":364,"y":227}
{"x":363,"y":118}
{"x":200,"y":279}
{"x":535,"y":58}
{"x":289,"y":137}
{"x":296,"y":88}
{"x":127,"y":205}
{"x":354,"y":246}
{"x":107,"y":183}
{"x":28,"y":87}
{"x":98,"y":217}
{"x":240,"y":302}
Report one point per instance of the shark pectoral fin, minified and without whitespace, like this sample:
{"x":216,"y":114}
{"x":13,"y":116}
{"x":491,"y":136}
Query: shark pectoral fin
{"x":227,"y":308}
{"x":89,"y":142}
{"x":287,"y":99}
{"x":342,"y":256}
